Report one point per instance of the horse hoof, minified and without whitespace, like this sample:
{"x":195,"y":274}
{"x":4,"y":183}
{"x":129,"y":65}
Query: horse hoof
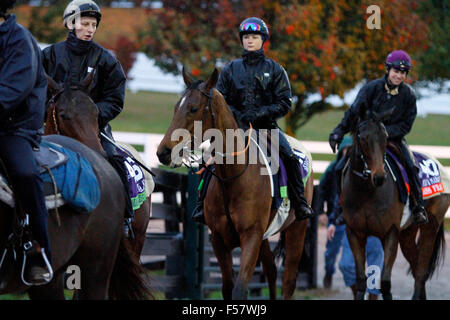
{"x":387,"y":296}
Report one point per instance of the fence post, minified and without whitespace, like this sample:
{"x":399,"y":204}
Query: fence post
{"x":194,"y":231}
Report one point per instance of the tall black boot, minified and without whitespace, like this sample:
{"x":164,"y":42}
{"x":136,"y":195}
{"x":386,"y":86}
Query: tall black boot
{"x":296,"y":189}
{"x":198,"y":214}
{"x":419,"y":213}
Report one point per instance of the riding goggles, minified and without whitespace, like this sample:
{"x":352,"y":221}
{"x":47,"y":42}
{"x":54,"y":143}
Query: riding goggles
{"x":250,"y":26}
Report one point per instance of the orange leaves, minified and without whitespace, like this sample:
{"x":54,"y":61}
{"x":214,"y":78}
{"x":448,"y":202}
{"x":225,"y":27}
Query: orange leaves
{"x":289,"y":29}
{"x":195,"y":72}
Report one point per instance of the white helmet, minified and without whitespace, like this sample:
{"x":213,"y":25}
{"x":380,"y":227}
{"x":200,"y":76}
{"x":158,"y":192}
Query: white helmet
{"x":81,"y":8}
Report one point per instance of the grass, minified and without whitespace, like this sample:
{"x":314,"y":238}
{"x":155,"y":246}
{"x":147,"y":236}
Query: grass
{"x":447,"y":224}
{"x":151,"y":112}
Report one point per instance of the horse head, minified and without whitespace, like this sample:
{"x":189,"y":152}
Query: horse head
{"x":199,"y":103}
{"x":371,"y":141}
{"x":71,"y":112}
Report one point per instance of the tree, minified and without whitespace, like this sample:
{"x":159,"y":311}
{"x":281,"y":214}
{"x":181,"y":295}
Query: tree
{"x":324,"y":46}
{"x":434,"y":61}
{"x":125,"y":51}
{"x":46,"y":23}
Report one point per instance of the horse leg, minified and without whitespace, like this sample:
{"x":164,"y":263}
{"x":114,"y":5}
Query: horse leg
{"x":140,"y":223}
{"x":428,"y":233}
{"x":224,"y":258}
{"x":250,"y":245}
{"x":269,"y":268}
{"x":390,"y":246}
{"x":358,"y":246}
{"x":52,"y":291}
{"x":407,"y":240}
{"x":294,"y":243}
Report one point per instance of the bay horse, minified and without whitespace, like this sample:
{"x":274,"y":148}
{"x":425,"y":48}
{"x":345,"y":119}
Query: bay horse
{"x":238,"y":203}
{"x":92,"y":241}
{"x":371,"y":206}
{"x":72,"y":113}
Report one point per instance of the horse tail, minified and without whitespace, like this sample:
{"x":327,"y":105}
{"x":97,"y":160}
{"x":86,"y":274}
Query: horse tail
{"x":280,"y":249}
{"x":438,"y":256}
{"x":129,"y":280}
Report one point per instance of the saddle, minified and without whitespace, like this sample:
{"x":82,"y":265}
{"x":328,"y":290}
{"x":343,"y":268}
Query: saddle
{"x":68,"y":179}
{"x":279,"y":179}
{"x":431,"y":176}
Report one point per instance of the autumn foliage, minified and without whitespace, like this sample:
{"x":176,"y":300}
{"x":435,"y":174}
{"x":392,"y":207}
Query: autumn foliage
{"x":324,"y":46}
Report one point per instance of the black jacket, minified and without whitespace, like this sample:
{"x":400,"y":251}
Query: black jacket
{"x":72,"y":59}
{"x":258,"y":86}
{"x":23,"y":85}
{"x":376,"y":98}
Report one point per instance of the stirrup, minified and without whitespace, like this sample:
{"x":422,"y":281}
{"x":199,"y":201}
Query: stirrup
{"x":128,"y":229}
{"x":26,"y":251}
{"x":420,"y":212}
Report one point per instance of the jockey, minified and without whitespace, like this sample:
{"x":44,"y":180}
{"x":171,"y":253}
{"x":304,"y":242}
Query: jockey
{"x":383,"y":94}
{"x":23,"y":87}
{"x":258,"y":91}
{"x":71,"y":60}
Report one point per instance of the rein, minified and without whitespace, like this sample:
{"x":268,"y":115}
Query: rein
{"x":52,"y":101}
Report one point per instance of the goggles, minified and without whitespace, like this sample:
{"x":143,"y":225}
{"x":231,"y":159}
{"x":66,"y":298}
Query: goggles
{"x":250,"y":26}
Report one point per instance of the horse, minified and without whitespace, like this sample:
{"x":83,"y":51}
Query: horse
{"x":371,"y":206}
{"x":93,"y":241}
{"x":71,"y":112}
{"x":238,"y":203}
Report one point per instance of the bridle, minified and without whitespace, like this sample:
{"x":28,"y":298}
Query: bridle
{"x":366,"y":172}
{"x":52,"y":101}
{"x":209,"y":109}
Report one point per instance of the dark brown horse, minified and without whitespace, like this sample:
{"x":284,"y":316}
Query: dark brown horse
{"x":94,"y":242}
{"x":72,"y":113}
{"x":371,"y":206}
{"x":238,"y":202}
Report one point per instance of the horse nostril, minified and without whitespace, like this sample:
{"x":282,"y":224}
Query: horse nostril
{"x":378,"y":180}
{"x":164,"y":155}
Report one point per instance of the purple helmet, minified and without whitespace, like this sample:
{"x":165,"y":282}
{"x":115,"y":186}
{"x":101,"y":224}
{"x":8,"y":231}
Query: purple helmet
{"x":398,"y":59}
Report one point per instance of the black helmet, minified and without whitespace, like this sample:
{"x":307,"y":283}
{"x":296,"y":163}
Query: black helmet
{"x":5,"y":5}
{"x":81,"y":8}
{"x":254,"y":25}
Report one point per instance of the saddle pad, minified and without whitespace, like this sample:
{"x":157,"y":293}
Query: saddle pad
{"x":136,"y":180}
{"x":283,"y":204}
{"x":433,"y":177}
{"x":47,"y":156}
{"x":76,"y":180}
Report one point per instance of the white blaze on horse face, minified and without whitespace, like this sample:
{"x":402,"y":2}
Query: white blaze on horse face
{"x":183,"y":100}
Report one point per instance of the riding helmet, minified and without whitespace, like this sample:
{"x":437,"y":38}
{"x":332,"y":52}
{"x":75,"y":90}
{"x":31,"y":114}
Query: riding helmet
{"x":398,"y":59}
{"x":81,"y":8}
{"x":254,"y":25}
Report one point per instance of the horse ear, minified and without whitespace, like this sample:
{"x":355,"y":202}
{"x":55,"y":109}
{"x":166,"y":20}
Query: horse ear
{"x":87,"y":82}
{"x":188,"y":80}
{"x":383,"y":115}
{"x":53,"y":87}
{"x":212,"y":80}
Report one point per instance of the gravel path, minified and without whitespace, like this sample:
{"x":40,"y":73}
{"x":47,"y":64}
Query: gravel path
{"x":438,"y":288}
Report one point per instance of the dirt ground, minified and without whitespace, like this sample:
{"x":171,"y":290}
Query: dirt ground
{"x":438,"y":288}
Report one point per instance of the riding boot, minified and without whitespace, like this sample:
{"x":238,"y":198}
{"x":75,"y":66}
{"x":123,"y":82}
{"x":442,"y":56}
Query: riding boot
{"x":339,"y":167}
{"x":119,"y":166}
{"x":198,"y":214}
{"x":296,"y":189}
{"x":418,"y":211}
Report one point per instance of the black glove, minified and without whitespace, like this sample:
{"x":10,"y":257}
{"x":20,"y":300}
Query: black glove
{"x":254,"y":114}
{"x":335,"y":139}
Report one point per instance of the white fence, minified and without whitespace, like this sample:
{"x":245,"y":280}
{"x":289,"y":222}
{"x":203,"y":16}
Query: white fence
{"x":150,"y":142}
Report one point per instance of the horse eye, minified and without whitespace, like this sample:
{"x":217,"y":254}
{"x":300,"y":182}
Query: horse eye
{"x":194,"y":110}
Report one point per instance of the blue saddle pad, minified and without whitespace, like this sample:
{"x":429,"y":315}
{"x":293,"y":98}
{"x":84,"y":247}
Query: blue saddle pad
{"x":75,"y":179}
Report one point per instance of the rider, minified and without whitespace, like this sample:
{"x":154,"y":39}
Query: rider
{"x":258,"y":91}
{"x":71,"y":60}
{"x":23,"y":88}
{"x":383,"y":94}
